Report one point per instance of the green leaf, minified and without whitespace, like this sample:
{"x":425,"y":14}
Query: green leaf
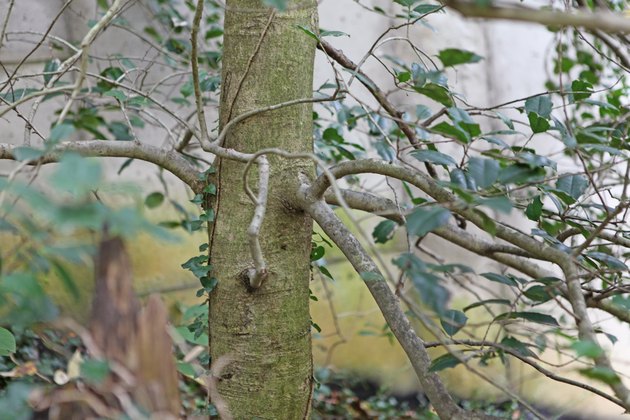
{"x":7,"y":342}
{"x":534,"y":209}
{"x":484,"y":171}
{"x":453,"y":57}
{"x":536,"y":317}
{"x":574,"y":185}
{"x":186,"y":369}
{"x":452,"y":321}
{"x":424,"y":9}
{"x":540,"y":105}
{"x":444,"y":362}
{"x":463,"y":180}
{"x":213,"y":33}
{"x":518,"y":346}
{"x":603,"y":374}
{"x":423,"y":220}
{"x":581,"y":90}
{"x":499,"y":278}
{"x":537,"y":123}
{"x":519,"y":173}
{"x":154,"y":200}
{"x":209,"y":283}
{"x":608,"y":260}
{"x":451,"y":131}
{"x":436,"y":92}
{"x":539,"y":293}
{"x":324,"y":33}
{"x":487,"y":302}
{"x":116,"y":93}
{"x":317,"y":253}
{"x":308,"y":32}
{"x":587,"y":349}
{"x":384,"y":231}
{"x":433,"y":156}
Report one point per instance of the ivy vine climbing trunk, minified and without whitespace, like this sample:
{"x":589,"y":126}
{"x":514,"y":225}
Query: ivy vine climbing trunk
{"x":264,"y":332}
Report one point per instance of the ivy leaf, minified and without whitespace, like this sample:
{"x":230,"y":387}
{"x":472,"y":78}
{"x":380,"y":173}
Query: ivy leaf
{"x":454,"y":57}
{"x":7,"y":342}
{"x":484,"y":171}
{"x":534,"y":209}
{"x":537,"y":123}
{"x":581,"y":90}
{"x":452,"y":321}
{"x":539,"y":105}
{"x":436,"y":92}
{"x":384,"y":231}
{"x":451,"y":131}
{"x":433,"y":156}
{"x":574,"y":185}
{"x":423,"y":220}
{"x":444,"y":362}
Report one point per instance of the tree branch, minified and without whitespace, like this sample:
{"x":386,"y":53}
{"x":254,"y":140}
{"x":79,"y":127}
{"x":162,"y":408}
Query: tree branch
{"x":608,"y":22}
{"x":171,"y":161}
{"x":387,"y":302}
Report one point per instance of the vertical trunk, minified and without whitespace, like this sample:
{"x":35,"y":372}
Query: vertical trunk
{"x":266,"y":332}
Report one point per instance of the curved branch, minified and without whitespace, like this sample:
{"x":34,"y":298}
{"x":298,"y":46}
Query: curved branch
{"x":171,"y":161}
{"x":388,"y":304}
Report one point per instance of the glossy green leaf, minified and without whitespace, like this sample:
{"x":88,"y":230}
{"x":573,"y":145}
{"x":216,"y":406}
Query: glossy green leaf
{"x":433,"y":156}
{"x":500,"y":278}
{"x":425,"y":219}
{"x":536,"y":317}
{"x":534,"y":209}
{"x":436,"y":92}
{"x":574,"y":185}
{"x":7,"y":342}
{"x":452,"y":321}
{"x":484,"y":171}
{"x":540,"y":105}
{"x":454,"y":57}
{"x":444,"y":362}
{"x":384,"y":231}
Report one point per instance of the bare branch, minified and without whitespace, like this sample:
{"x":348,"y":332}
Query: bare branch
{"x":171,"y":161}
{"x":605,"y":21}
{"x":387,"y":302}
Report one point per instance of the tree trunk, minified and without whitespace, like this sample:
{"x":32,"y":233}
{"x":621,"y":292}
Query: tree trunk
{"x":266,"y":332}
